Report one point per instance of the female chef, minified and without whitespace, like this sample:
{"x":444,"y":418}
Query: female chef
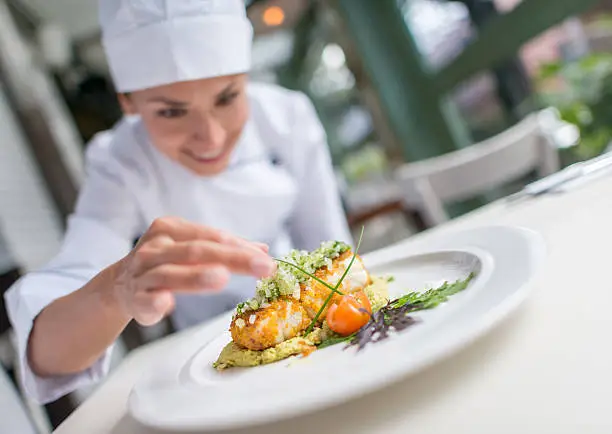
{"x":200,"y":148}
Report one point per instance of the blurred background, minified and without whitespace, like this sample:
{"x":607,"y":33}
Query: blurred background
{"x":402,"y":87}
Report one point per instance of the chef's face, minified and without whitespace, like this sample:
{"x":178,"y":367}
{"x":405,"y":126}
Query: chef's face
{"x":195,"y":123}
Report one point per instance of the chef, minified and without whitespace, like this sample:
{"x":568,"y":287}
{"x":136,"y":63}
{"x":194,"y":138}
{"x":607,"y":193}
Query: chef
{"x":212,"y":175}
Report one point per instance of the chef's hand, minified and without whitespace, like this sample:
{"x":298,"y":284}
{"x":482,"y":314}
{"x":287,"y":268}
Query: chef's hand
{"x":177,"y":256}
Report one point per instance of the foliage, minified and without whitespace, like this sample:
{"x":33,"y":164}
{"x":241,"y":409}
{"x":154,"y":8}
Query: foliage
{"x":583,"y":95}
{"x":366,"y":162}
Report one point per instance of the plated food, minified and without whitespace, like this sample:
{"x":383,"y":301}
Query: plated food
{"x":171,"y":395}
{"x":317,"y":299}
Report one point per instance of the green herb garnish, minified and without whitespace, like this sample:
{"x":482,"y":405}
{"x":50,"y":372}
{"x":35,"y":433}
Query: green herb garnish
{"x":432,"y":297}
{"x":335,"y":340}
{"x":331,"y":294}
{"x":312,"y":276}
{"x":293,"y":270}
{"x":396,"y":315}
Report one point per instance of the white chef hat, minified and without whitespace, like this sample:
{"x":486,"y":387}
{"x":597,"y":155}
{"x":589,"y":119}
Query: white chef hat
{"x":150,"y":43}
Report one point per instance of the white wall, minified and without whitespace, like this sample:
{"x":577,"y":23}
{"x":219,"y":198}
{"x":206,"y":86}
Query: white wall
{"x":29,"y":220}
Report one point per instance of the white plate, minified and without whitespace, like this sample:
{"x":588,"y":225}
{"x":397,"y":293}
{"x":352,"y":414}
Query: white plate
{"x":185,"y":393}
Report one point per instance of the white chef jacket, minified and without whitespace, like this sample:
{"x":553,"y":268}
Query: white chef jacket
{"x":279,"y":189}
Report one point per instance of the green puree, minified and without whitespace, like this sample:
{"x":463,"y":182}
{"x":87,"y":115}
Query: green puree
{"x":286,"y":281}
{"x":234,"y":356}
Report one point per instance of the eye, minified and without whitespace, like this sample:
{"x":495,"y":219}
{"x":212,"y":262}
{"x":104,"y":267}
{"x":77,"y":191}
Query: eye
{"x":227,"y":99}
{"x":171,"y":113}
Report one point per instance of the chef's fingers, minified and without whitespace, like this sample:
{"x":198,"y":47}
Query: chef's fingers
{"x":262,"y":246}
{"x":233,"y":240}
{"x":149,"y":308}
{"x":237,"y":259}
{"x":182,"y":230}
{"x":179,"y":229}
{"x":184,"y":278}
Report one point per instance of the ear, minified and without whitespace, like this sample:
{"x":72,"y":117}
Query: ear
{"x":126,"y":103}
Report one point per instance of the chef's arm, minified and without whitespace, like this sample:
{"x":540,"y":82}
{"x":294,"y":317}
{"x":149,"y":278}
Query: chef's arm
{"x":74,"y":331}
{"x":172,"y":256}
{"x":67,"y":314}
{"x":62,"y":319}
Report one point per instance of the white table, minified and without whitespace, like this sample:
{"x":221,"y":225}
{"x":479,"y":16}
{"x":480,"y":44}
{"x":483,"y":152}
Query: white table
{"x":546,"y":369}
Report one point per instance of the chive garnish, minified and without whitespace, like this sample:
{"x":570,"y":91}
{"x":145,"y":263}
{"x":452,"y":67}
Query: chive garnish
{"x":331,"y":294}
{"x":312,"y":276}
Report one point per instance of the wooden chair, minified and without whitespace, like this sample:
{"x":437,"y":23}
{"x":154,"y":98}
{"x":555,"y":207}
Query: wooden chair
{"x":427,"y":185}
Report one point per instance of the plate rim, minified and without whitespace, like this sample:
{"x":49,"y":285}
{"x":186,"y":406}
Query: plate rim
{"x":461,"y":338}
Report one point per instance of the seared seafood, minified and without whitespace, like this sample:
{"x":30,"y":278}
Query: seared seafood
{"x":284,"y":307}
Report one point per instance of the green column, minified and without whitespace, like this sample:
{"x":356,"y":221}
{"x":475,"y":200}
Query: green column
{"x":503,"y":36}
{"x":292,"y":74}
{"x":424,"y":120}
{"x":298,"y":71}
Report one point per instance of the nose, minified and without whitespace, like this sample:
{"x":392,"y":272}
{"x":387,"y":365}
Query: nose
{"x":209,"y":132}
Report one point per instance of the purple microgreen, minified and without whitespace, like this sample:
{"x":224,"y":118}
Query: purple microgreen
{"x":396,"y":314}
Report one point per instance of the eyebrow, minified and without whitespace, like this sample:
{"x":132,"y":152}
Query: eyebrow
{"x":229,"y":88}
{"x":176,"y":103}
{"x":168,"y":101}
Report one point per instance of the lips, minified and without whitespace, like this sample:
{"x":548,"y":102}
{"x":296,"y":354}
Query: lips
{"x":207,"y":157}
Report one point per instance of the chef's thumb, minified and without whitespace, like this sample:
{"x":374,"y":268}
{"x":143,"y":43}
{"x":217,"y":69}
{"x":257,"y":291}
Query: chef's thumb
{"x":163,"y":303}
